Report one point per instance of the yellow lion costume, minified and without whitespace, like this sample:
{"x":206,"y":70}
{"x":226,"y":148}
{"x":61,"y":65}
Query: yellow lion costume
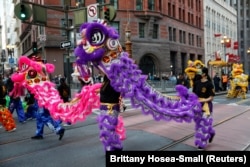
{"x":238,"y":82}
{"x":193,"y":68}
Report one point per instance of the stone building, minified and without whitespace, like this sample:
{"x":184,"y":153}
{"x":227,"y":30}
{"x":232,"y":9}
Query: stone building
{"x":165,"y":34}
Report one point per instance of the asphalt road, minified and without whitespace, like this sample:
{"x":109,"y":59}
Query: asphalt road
{"x":80,"y":146}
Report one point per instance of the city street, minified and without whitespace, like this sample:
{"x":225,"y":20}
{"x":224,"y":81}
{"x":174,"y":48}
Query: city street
{"x":80,"y":145}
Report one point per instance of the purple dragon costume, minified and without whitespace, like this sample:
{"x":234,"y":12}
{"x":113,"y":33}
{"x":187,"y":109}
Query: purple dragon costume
{"x":100,"y":46}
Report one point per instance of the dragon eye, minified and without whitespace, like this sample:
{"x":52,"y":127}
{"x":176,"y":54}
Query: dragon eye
{"x":97,"y":38}
{"x":112,"y":44}
{"x":32,"y":73}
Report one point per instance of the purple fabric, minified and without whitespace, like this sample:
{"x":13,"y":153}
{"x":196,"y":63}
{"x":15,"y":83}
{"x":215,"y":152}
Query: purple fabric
{"x":127,"y":78}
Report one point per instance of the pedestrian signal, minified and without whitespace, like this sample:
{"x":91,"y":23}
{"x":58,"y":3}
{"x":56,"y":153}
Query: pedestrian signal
{"x":34,"y":47}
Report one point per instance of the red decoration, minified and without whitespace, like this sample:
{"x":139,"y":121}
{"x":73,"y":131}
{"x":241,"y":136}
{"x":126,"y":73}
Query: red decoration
{"x":217,"y":35}
{"x":236,"y":45}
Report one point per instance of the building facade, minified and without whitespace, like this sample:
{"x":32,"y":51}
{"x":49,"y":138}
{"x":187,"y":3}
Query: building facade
{"x":165,"y":34}
{"x":243,"y":14}
{"x":220,"y":23}
{"x":9,"y":37}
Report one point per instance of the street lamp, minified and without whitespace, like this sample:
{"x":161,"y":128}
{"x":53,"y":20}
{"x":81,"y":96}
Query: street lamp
{"x":128,"y":43}
{"x":225,"y":42}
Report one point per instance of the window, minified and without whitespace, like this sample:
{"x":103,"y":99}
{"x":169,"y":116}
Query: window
{"x":155,"y":31}
{"x":180,"y":36}
{"x":139,"y":4}
{"x":151,"y":4}
{"x":116,"y":25}
{"x":114,"y":3}
{"x":174,"y":34}
{"x":173,"y":7}
{"x":184,"y":37}
{"x":41,"y":29}
{"x":170,"y":33}
{"x":80,"y":3}
{"x":100,"y":1}
{"x":169,"y":9}
{"x":141,"y":30}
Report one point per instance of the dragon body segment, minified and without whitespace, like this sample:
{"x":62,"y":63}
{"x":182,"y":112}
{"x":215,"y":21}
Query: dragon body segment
{"x":100,"y":46}
{"x":33,"y":75}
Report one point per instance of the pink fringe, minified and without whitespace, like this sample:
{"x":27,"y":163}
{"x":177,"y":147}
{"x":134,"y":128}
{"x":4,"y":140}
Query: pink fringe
{"x":120,"y":129}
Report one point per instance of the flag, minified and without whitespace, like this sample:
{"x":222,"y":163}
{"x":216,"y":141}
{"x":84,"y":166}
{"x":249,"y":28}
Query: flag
{"x":217,"y":35}
{"x":236,"y":45}
{"x":217,"y":55}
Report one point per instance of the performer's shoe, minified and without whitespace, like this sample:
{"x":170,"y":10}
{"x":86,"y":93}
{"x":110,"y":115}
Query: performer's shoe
{"x":200,"y":148}
{"x":61,"y":133}
{"x":37,"y":137}
{"x":211,"y":138}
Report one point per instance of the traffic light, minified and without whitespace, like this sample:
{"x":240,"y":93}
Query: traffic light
{"x":23,"y":13}
{"x":107,"y":14}
{"x":34,"y":47}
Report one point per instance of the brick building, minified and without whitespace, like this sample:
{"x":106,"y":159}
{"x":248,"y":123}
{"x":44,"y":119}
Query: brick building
{"x":165,"y":34}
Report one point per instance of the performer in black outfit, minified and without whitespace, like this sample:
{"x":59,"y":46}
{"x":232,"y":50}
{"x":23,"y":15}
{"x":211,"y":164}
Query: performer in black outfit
{"x":108,"y":118}
{"x":204,"y":89}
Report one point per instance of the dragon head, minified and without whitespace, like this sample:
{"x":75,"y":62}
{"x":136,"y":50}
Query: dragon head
{"x":237,"y":70}
{"x":32,"y":71}
{"x":193,"y":68}
{"x":98,"y":41}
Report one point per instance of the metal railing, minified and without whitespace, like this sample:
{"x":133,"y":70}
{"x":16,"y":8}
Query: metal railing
{"x":162,"y":85}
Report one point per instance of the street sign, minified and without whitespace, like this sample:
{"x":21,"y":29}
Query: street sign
{"x":92,"y":12}
{"x":65,"y":44}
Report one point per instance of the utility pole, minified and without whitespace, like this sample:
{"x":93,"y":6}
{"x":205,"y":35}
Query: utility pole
{"x":66,"y":8}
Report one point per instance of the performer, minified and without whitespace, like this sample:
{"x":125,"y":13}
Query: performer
{"x":44,"y":118}
{"x":5,"y":115}
{"x":108,"y":118}
{"x":204,"y":89}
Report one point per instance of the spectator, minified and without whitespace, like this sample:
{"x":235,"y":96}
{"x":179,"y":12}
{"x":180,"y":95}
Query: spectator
{"x":182,"y":81}
{"x":64,"y":90}
{"x":216,"y":80}
{"x":224,"y":79}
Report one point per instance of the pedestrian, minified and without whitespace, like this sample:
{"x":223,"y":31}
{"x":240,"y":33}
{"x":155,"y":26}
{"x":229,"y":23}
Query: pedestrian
{"x":32,"y":106}
{"x":43,"y":118}
{"x":108,"y":117}
{"x":15,"y":101}
{"x":182,"y":81}
{"x":216,"y":80}
{"x":84,"y":82}
{"x":6,"y":117}
{"x":204,"y":89}
{"x":64,"y":92}
{"x":224,"y":79}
